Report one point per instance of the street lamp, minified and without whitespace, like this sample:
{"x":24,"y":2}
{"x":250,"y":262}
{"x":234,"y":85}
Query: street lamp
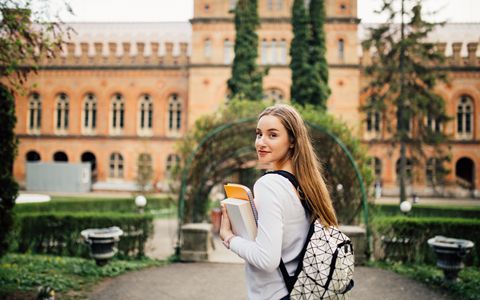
{"x":140,"y":202}
{"x":405,"y":207}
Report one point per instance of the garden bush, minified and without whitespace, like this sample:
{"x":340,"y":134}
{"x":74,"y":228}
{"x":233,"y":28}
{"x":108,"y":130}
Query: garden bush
{"x":405,"y":239}
{"x":59,"y":232}
{"x":429,"y":211}
{"x":94,"y":205}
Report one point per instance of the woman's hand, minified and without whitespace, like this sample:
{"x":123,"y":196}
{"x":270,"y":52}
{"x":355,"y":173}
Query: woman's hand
{"x":225,"y":225}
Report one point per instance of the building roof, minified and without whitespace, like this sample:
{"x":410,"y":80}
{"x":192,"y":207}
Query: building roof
{"x":145,"y":32}
{"x":449,"y":33}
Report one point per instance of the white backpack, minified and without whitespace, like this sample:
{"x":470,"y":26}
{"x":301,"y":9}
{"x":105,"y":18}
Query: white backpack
{"x":326,"y":263}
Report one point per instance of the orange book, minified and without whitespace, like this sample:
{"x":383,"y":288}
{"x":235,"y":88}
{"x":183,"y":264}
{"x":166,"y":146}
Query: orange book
{"x":241,"y":210}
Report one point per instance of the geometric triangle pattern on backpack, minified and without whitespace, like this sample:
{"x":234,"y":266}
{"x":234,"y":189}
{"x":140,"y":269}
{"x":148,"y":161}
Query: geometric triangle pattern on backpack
{"x":326,"y":268}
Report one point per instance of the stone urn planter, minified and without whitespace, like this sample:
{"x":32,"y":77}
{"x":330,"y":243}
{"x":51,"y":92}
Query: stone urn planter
{"x":450,"y":253}
{"x":102,"y":243}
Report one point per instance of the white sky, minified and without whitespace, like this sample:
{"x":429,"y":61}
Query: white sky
{"x":182,"y":10}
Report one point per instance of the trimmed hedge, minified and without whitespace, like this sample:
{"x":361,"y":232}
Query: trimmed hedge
{"x":94,"y":205}
{"x":405,"y":239}
{"x":429,"y":211}
{"x":58,"y":233}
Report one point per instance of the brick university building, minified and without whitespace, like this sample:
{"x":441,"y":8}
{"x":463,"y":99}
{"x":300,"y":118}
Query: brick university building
{"x":121,"y":94}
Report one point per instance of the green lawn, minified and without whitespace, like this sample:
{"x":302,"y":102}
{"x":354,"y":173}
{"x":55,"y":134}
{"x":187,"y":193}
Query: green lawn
{"x":71,"y":278}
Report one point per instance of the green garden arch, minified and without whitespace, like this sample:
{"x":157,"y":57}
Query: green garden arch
{"x":213,"y":133}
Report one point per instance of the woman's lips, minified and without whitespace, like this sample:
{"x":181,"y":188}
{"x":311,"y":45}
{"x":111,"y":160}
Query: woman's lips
{"x":262,"y":153}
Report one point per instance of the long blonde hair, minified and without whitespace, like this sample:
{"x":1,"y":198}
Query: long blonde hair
{"x":306,"y":166}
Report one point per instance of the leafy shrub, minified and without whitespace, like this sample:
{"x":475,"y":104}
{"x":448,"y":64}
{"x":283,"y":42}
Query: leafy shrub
{"x":405,"y":239}
{"x":430,"y":211}
{"x":97,"y":205}
{"x":59,"y":232}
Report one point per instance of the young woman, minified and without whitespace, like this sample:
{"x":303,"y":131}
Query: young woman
{"x":282,"y":142}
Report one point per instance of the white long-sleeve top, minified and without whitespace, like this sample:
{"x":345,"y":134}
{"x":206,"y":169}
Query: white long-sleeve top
{"x":282,"y":230}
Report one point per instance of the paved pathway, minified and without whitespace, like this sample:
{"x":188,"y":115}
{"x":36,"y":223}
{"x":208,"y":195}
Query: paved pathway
{"x":223,"y":278}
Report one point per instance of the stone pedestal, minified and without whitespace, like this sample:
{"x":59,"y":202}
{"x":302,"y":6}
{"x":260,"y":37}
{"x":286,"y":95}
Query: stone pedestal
{"x":196,"y":242}
{"x":358,"y":236}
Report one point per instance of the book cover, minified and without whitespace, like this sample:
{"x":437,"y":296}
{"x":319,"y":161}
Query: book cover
{"x":241,"y":210}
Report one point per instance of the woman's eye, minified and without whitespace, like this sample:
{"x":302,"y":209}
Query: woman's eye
{"x":273,"y":135}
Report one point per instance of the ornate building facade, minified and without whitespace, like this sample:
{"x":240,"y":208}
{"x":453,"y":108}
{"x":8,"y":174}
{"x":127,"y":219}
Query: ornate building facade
{"x":121,"y":94}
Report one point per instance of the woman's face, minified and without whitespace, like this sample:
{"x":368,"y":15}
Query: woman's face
{"x":272,"y":142}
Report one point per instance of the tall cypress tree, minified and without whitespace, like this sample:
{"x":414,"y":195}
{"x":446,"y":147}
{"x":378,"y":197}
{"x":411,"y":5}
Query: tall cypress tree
{"x":246,"y":79}
{"x":402,"y":81}
{"x":302,"y":87}
{"x":318,"y":62}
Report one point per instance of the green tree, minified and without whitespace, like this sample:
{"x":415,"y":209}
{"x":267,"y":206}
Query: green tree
{"x":302,"y":85}
{"x":22,"y":33}
{"x":317,"y":60}
{"x":246,"y":79}
{"x":402,"y":80}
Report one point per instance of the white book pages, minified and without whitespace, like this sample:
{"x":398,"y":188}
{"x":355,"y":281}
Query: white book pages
{"x":241,"y":218}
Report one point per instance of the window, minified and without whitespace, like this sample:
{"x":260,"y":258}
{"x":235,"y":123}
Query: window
{"x":274,"y":95}
{"x":434,"y":124}
{"x":89,"y":113}
{"x":341,"y":49}
{"x":116,"y":165}
{"x":174,"y":113}
{"x":282,"y":45}
{"x":145,"y":120}
{"x":173,"y":160}
{"x":408,"y":169}
{"x":465,"y":118}
{"x":264,"y":52}
{"x":207,"y":48}
{"x":34,"y":113}
{"x":376,"y":165}
{"x":32,"y":156}
{"x":117,"y":114}
{"x":373,"y":122}
{"x":433,"y":171}
{"x":273,"y":52}
{"x":60,"y":156}
{"x":407,"y":124}
{"x":232,"y":4}
{"x":61,"y":116}
{"x":228,"y":52}
{"x":279,"y":4}
{"x":270,"y":5}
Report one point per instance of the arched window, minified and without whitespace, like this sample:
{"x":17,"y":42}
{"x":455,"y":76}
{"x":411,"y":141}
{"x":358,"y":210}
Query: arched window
{"x":465,"y":172}
{"x":60,"y":156}
{"x":228,"y":52}
{"x":433,"y":171}
{"x":116,"y":165}
{"x":145,"y":120}
{"x":341,"y":49}
{"x":61,"y":116}
{"x":32,"y":156}
{"x":207,"y":48}
{"x":90,"y":157}
{"x":275,"y":95}
{"x":117,"y":113}
{"x":174,"y":113}
{"x":465,"y":119}
{"x":34,"y":113}
{"x":408,"y":169}
{"x":89,"y":113}
{"x":173,"y":160}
